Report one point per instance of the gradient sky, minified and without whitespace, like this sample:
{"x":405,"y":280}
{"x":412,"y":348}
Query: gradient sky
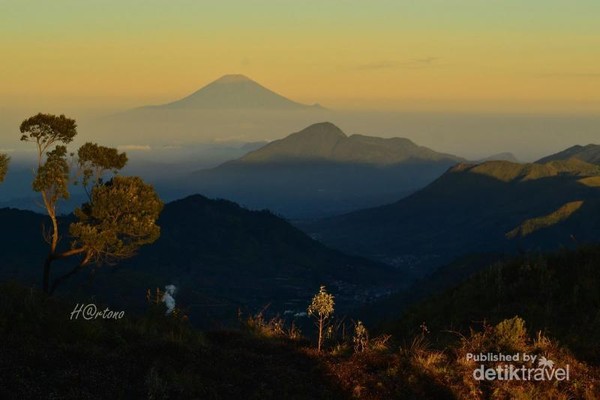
{"x":493,"y":55}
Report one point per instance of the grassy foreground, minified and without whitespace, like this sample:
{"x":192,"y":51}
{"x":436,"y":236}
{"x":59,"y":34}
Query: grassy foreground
{"x":46,"y":355}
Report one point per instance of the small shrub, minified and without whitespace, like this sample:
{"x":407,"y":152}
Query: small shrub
{"x":259,"y":325}
{"x":361,"y":338}
{"x":380,"y":343}
{"x":321,"y":308}
{"x":510,"y":335}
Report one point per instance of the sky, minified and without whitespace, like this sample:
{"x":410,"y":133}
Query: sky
{"x":435,"y":55}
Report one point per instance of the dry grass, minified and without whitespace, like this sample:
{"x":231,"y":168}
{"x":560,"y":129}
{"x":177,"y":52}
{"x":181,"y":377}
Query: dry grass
{"x":416,"y":370}
{"x":158,"y":357}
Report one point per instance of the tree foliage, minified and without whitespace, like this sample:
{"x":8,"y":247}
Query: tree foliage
{"x":47,"y":129}
{"x":119,"y":218}
{"x":52,"y":174}
{"x":52,"y":177}
{"x":121,"y":212}
{"x":322,"y":304}
{"x":94,"y":160}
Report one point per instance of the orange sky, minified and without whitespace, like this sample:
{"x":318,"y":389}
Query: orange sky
{"x":462,"y":55}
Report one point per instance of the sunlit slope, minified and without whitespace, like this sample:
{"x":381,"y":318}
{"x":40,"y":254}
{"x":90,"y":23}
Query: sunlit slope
{"x":472,"y":208}
{"x":589,"y":153}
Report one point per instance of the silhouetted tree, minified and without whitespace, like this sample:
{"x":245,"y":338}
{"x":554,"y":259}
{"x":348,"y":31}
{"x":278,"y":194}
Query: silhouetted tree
{"x":4,"y":160}
{"x":120,"y":214}
{"x":321,"y":308}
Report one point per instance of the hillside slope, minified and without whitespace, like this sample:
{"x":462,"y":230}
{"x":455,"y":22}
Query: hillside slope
{"x":221,"y":257}
{"x":589,"y":153}
{"x":326,"y":142}
{"x":320,"y":171}
{"x":558,"y":293}
{"x":489,"y":207}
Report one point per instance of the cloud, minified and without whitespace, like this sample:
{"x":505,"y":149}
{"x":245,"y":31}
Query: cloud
{"x":420,"y":62}
{"x":134,"y":147}
{"x":415,"y":63}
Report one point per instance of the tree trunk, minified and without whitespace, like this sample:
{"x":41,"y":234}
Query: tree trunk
{"x":63,"y":278}
{"x":84,"y":261}
{"x":53,"y":243}
{"x":48,"y":264}
{"x":320,"y":334}
{"x":46,"y":279}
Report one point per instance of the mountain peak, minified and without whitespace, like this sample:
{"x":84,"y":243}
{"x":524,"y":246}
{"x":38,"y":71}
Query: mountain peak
{"x":233,"y":78}
{"x":322,"y":129}
{"x":236,"y":92}
{"x":316,"y":141}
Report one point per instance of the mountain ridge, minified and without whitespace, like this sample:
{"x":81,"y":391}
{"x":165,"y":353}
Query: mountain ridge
{"x":508,"y":171}
{"x":504,"y":156}
{"x":326,"y":141}
{"x":474,"y":208}
{"x":589,"y":153}
{"x":320,"y":171}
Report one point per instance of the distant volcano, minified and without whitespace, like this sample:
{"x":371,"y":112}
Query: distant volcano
{"x":236,"y":92}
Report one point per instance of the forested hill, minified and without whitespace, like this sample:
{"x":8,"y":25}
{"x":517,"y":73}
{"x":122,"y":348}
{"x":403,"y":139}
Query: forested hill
{"x":220,"y":256}
{"x":558,"y":293}
{"x":496,"y":206}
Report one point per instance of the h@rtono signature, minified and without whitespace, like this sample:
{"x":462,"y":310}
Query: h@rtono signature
{"x":90,"y":311}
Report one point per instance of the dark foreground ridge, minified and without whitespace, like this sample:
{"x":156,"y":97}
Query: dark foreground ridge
{"x":50,"y":355}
